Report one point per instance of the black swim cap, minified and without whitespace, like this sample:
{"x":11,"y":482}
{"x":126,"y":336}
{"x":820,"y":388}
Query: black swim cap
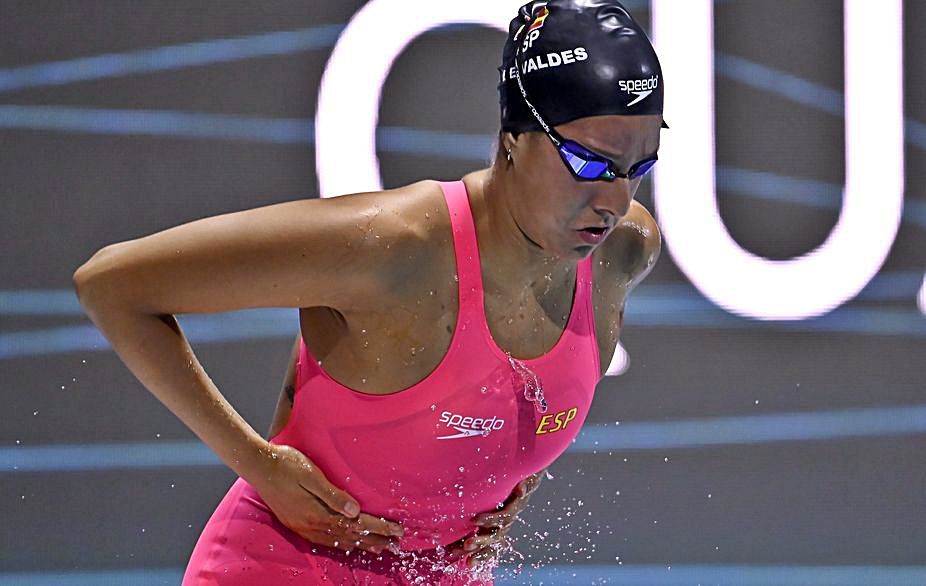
{"x":577,"y":58}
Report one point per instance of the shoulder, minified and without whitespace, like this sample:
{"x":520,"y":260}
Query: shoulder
{"x":635,"y":244}
{"x":400,"y":230}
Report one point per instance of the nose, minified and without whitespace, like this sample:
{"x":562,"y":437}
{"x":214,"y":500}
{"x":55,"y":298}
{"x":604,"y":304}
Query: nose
{"x":614,"y":198}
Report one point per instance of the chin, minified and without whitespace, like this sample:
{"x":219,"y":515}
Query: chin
{"x":583,"y":250}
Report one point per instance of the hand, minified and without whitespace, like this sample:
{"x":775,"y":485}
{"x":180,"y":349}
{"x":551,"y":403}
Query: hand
{"x":305,"y":501}
{"x":495,"y":525}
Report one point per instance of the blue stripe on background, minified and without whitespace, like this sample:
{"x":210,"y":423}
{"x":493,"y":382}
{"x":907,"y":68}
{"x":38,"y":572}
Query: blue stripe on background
{"x":772,"y":187}
{"x":753,"y":429}
{"x":805,"y":192}
{"x":593,"y":438}
{"x":201,"y":53}
{"x":246,"y":325}
{"x":714,"y":575}
{"x":159,"y":123}
{"x":112,"y":456}
{"x":415,"y":141}
{"x":885,"y":286}
{"x":139,"y":577}
{"x":777,"y":82}
{"x":169,"y":57}
{"x":672,"y":305}
{"x":578,"y":574}
{"x":393,"y":139}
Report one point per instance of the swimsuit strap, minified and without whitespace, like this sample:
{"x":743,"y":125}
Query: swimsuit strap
{"x":466,"y":252}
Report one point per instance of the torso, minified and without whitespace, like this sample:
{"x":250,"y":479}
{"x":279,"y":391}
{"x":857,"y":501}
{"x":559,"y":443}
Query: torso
{"x":404,"y":340}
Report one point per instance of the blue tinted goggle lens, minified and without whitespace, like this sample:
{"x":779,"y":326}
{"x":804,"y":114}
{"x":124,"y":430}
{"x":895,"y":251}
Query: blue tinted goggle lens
{"x":642,"y":168}
{"x":588,"y":165}
{"x":583,"y":164}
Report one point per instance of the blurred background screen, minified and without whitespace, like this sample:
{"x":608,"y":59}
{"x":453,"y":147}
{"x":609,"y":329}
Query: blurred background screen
{"x":764,"y":421}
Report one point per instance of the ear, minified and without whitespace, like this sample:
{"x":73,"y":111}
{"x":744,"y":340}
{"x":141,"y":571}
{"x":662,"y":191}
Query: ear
{"x":509,"y":140}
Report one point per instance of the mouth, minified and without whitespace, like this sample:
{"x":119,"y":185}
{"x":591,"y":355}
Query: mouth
{"x":593,"y":234}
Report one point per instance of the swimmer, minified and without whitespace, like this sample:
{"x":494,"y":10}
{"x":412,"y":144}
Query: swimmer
{"x":451,"y":333}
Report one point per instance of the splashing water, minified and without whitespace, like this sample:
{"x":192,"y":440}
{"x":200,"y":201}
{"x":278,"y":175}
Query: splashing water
{"x":533,"y":389}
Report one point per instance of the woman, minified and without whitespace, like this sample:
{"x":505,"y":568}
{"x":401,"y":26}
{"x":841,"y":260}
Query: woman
{"x":451,"y":333}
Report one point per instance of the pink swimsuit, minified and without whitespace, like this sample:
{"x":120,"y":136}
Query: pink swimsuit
{"x":430,"y":457}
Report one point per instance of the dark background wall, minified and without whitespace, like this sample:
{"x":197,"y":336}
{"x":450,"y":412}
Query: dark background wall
{"x":732,"y":450}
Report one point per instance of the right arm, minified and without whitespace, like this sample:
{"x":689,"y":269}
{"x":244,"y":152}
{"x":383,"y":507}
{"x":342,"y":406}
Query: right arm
{"x":294,"y":254}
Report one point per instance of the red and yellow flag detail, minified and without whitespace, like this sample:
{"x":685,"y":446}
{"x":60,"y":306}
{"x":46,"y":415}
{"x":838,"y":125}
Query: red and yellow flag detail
{"x":538,"y":20}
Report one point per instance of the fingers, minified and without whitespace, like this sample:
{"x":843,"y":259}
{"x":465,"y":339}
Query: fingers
{"x":487,"y":550}
{"x":529,"y":484}
{"x":380,"y":525}
{"x":516,"y":503}
{"x":345,"y":534}
{"x":331,"y":495}
{"x":364,"y":532}
{"x":482,"y":556}
{"x":504,"y":516}
{"x":372,"y":543}
{"x":481,"y":540}
{"x":470,"y":545}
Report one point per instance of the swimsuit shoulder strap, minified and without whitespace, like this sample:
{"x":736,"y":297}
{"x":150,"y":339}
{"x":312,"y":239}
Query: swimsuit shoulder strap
{"x":466,"y":250}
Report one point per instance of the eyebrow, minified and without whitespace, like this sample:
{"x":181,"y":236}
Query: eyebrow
{"x":611,"y":156}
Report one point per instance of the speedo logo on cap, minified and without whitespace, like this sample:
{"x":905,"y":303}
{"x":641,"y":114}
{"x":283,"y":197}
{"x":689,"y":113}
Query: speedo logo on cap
{"x":469,"y":426}
{"x":641,"y":88}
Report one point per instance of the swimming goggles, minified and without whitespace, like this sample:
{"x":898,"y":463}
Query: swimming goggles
{"x":584,"y":164}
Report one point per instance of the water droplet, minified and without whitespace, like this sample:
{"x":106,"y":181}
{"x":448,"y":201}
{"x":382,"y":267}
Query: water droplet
{"x":484,"y":389}
{"x":433,"y":407}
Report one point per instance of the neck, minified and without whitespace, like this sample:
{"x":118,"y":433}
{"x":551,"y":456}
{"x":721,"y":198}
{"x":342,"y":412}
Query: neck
{"x":510,"y":257}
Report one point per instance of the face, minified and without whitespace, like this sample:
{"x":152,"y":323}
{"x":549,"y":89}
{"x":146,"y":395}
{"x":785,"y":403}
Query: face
{"x":552,"y":206}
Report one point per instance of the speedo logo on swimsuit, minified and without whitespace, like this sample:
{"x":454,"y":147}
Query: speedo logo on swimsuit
{"x":642,"y":88}
{"x":469,"y":426}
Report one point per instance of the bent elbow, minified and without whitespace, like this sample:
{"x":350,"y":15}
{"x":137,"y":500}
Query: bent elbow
{"x":88,"y":279}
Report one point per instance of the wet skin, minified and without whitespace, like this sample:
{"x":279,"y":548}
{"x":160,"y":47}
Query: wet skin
{"x":373,"y":277}
{"x":527,"y":212}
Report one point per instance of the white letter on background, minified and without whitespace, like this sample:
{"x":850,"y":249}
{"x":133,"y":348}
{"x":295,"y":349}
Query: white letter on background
{"x":686,"y":202}
{"x":351,"y":86}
